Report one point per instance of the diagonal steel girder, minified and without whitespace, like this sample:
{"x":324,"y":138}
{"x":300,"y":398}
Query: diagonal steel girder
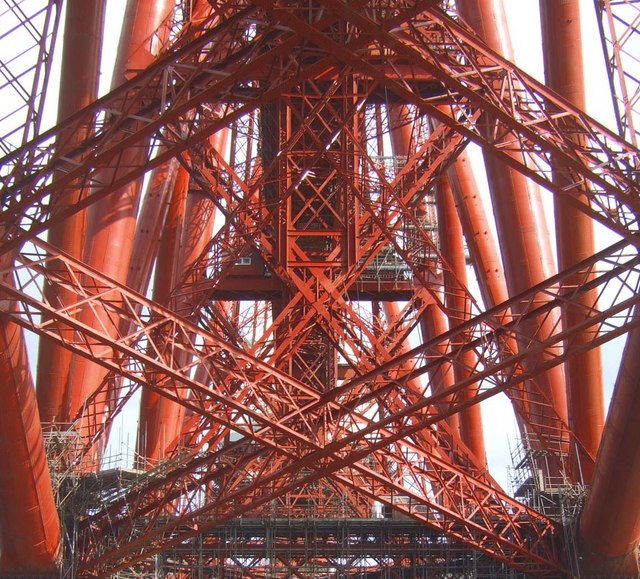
{"x":503,"y":373}
{"x":619,"y":24}
{"x":434,"y":44}
{"x":28,"y":34}
{"x":233,"y":207}
{"x":227,"y":501}
{"x":441,"y":148}
{"x":249,"y":220}
{"x":157,"y":105}
{"x":334,"y":46}
{"x":304,"y":31}
{"x":626,"y":223}
{"x":254,"y":227}
{"x":279,"y":442}
{"x":605,"y":277}
{"x":544,"y":127}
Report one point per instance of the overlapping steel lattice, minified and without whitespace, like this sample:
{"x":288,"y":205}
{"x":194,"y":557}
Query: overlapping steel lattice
{"x":309,"y":349}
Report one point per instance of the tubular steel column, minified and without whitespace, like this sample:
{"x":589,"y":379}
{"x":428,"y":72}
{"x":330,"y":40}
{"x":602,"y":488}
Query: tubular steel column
{"x":78,"y":88}
{"x":610,"y":522}
{"x":452,"y":245}
{"x":150,"y":222}
{"x":574,"y":233}
{"x":336,"y":229}
{"x":434,"y":323}
{"x":161,"y":419}
{"x":483,"y":249}
{"x":197,"y":228}
{"x":29,"y":526}
{"x":30,"y":531}
{"x":111,"y":222}
{"x":525,"y":246}
{"x":453,"y":250}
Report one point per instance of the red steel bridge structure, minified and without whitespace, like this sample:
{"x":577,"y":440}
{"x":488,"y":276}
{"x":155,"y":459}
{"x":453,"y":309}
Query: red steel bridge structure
{"x":256,"y":252}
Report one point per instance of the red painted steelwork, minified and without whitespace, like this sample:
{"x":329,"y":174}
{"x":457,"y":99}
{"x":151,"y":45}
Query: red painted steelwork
{"x":161,"y":419}
{"x":562,"y":42}
{"x":188,"y":294}
{"x":551,"y":134}
{"x":618,"y":22}
{"x":434,"y":323}
{"x":78,"y":88}
{"x":94,"y":420}
{"x":111,"y":222}
{"x":309,"y":398}
{"x":149,"y":223}
{"x":610,"y":521}
{"x":145,"y":30}
{"x":483,"y":250}
{"x":456,"y":302}
{"x":234,"y":419}
{"x":518,"y":210}
{"x":30,"y":532}
{"x":491,"y":280}
{"x":457,"y":307}
{"x":28,"y":36}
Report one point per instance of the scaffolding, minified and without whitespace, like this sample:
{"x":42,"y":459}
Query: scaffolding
{"x":322,"y":548}
{"x":64,"y":448}
{"x":288,"y":540}
{"x":554,"y":496}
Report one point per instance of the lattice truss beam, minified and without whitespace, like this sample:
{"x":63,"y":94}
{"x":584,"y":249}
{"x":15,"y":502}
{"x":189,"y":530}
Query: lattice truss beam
{"x":619,"y":23}
{"x":28,"y":30}
{"x":269,"y":415}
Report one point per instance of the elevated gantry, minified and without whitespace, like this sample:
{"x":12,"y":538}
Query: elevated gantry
{"x":257,"y":247}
